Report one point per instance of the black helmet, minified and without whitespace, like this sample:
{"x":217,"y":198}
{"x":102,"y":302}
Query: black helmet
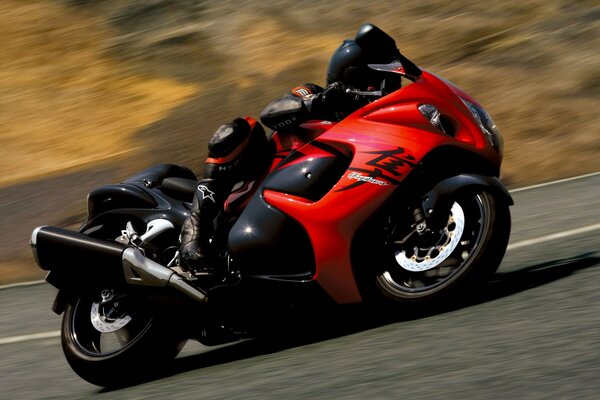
{"x":370,"y":46}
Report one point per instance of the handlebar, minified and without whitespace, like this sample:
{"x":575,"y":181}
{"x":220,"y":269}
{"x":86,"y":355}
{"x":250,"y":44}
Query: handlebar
{"x":377,"y":93}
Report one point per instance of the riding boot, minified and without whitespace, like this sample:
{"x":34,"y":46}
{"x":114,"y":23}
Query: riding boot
{"x":198,"y":229}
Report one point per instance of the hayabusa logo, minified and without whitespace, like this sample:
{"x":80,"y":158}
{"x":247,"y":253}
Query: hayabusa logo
{"x":386,"y":168}
{"x":391,"y":160}
{"x":230,"y":166}
{"x":367,"y":179}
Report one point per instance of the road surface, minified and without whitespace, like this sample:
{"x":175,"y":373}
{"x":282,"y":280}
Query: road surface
{"x":534,"y":335}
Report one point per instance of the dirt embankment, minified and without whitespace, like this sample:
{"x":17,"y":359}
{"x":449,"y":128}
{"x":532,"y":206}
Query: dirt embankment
{"x":90,"y":83}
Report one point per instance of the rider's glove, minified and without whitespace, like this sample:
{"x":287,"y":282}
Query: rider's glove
{"x":331,"y":104}
{"x":334,"y":95}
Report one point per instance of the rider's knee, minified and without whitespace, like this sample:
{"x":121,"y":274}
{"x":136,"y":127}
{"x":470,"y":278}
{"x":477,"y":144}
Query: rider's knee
{"x":235,"y":148}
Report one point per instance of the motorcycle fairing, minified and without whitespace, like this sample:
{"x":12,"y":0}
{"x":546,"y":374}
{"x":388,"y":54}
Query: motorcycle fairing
{"x":142,"y":195}
{"x":267,"y":243}
{"x":332,"y":221}
{"x":327,"y":213}
{"x":124,"y":195}
{"x":400,"y":109}
{"x":398,"y":138}
{"x":310,"y":175}
{"x":286,"y":144}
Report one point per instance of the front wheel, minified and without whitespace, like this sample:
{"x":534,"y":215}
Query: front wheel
{"x":111,"y":338}
{"x":452,"y":258}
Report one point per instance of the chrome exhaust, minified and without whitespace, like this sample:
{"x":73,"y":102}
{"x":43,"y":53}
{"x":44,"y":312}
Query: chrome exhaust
{"x":140,"y":270}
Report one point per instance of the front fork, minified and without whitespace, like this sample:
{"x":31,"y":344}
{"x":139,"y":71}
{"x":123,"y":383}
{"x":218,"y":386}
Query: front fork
{"x":419,"y":227}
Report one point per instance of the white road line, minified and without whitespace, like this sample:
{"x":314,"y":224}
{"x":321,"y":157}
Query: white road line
{"x":539,"y":185}
{"x":33,"y":336}
{"x":554,"y":236}
{"x":21,"y":284}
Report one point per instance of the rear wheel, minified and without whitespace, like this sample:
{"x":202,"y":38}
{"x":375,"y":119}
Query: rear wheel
{"x":456,"y":256}
{"x":111,"y":338}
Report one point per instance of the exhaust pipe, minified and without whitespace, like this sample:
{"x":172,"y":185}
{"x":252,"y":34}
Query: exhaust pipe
{"x":140,"y":270}
{"x":75,"y":254}
{"x":56,"y":248}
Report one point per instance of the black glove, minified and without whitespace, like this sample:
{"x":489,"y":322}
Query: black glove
{"x":332,"y":104}
{"x":334,"y":94}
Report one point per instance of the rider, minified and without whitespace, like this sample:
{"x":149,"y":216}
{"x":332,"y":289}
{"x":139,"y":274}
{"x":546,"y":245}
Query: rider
{"x":239,"y":150}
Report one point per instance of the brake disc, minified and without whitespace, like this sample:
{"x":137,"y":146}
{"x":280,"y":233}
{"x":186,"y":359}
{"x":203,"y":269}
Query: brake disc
{"x":452,"y":232}
{"x":105,"y":316}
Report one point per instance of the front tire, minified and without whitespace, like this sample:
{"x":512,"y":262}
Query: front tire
{"x":453,"y":259}
{"x":111,"y":339}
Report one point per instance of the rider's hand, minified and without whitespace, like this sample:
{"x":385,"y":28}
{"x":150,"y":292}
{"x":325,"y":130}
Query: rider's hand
{"x":332,"y":104}
{"x":335,"y":93}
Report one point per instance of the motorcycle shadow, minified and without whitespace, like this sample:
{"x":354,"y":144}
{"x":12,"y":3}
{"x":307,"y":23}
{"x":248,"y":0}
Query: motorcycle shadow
{"x":347,"y":320}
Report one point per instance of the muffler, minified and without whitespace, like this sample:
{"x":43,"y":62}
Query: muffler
{"x":74,"y":254}
{"x":60,"y":249}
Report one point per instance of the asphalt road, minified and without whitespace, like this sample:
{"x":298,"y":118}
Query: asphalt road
{"x":535,"y":334}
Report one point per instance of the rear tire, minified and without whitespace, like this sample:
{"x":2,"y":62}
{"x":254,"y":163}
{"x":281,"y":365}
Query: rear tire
{"x":117,"y":341}
{"x":459,"y":258}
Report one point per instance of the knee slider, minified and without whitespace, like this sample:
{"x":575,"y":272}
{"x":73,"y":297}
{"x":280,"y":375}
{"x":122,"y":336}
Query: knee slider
{"x":238,"y":150}
{"x":228,"y":138}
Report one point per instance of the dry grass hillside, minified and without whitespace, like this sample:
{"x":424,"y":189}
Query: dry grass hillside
{"x":90,"y":83}
{"x":127,"y":78}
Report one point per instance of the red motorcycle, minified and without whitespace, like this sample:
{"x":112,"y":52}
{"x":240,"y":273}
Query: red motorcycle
{"x":398,"y":202}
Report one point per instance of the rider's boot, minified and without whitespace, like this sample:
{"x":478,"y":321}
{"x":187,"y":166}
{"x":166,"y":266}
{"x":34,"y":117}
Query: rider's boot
{"x":197,"y":255}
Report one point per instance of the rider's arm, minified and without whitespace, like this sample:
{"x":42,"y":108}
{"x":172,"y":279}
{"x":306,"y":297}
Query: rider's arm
{"x":307,"y":102}
{"x":292,"y":109}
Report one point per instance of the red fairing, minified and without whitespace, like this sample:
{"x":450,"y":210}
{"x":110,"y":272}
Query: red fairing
{"x":287,"y":142}
{"x":397,"y":114}
{"x":386,"y":139}
{"x":331,"y":223}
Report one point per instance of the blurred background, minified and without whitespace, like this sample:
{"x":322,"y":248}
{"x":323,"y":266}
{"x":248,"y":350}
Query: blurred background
{"x":94,"y":90}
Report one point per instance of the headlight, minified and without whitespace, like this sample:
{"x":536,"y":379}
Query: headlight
{"x":487,"y":125}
